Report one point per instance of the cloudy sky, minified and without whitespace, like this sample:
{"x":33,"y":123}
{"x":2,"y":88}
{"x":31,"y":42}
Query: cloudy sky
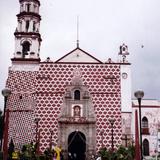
{"x":103,"y":26}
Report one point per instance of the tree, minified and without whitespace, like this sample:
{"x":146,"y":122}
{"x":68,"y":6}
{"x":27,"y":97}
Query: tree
{"x":28,"y":152}
{"x":105,"y":154}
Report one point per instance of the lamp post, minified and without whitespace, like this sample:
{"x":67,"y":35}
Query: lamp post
{"x":112,"y":138}
{"x":139,"y":95}
{"x":37,"y":121}
{"x":6,"y":93}
{"x":37,"y":137}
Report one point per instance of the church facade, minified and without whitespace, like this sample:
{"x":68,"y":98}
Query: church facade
{"x":76,"y":101}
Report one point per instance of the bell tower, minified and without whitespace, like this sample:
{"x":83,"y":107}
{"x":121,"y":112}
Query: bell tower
{"x":27,"y":36}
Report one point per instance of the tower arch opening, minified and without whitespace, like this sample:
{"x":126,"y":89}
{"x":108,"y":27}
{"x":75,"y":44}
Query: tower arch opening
{"x":25,"y":48}
{"x":27,"y":25}
{"x":28,"y":7}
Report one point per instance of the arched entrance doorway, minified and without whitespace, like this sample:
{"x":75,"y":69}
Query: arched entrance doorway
{"x":76,"y":146}
{"x":146,"y":147}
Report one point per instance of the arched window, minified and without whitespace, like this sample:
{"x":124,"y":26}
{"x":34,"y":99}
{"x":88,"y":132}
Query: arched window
{"x":76,"y":95}
{"x":146,"y":147}
{"x":25,"y":48}
{"x":144,"y":122}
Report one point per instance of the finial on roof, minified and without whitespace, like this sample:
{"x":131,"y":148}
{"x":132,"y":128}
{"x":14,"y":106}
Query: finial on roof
{"x":77,"y":31}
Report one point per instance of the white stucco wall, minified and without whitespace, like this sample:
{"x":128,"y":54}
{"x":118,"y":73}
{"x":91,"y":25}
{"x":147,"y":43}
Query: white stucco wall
{"x":78,"y":56}
{"x":126,"y":88}
{"x":24,"y":67}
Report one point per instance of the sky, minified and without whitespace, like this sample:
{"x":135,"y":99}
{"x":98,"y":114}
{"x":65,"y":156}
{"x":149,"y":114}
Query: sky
{"x":104,"y":25}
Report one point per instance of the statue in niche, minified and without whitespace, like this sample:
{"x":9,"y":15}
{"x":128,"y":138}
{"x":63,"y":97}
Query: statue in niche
{"x":76,"y":111}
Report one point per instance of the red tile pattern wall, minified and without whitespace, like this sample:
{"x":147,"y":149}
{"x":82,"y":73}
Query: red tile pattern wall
{"x":42,"y":96}
{"x":21,"y":105}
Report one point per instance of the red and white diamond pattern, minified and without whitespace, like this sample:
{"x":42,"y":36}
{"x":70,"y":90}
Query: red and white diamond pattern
{"x":42,"y":96}
{"x":21,"y":106}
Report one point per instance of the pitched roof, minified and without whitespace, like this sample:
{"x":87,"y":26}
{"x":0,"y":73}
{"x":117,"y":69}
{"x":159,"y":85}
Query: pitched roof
{"x":78,"y":56}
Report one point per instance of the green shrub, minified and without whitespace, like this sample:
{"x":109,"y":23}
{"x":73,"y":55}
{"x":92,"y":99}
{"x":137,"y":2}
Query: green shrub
{"x":122,"y":153}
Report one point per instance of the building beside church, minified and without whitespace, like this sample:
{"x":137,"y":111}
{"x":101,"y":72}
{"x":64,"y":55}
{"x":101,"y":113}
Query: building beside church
{"x":69,"y":102}
{"x":150,"y":112}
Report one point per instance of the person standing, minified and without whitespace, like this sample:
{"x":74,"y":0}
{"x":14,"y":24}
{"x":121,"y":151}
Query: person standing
{"x":58,"y":151}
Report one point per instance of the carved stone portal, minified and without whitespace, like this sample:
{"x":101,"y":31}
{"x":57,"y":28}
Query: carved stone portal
{"x":77,"y":131}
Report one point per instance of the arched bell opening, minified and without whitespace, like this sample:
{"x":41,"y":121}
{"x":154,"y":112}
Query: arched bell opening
{"x":25,"y":48}
{"x":76,"y":95}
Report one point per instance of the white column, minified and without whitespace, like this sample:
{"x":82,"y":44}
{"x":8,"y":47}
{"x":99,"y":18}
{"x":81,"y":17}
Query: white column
{"x":30,"y":26}
{"x":31,"y":7}
{"x":23,"y":25}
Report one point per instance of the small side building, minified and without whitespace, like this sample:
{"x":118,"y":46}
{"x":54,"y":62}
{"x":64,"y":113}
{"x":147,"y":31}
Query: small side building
{"x":150,"y":111}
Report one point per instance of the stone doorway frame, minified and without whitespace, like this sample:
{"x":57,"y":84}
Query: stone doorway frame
{"x":89,"y":130}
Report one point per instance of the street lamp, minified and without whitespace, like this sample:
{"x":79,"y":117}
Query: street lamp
{"x":112,"y":123}
{"x":37,"y":135}
{"x":139,"y":95}
{"x":37,"y":121}
{"x":6,"y":93}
